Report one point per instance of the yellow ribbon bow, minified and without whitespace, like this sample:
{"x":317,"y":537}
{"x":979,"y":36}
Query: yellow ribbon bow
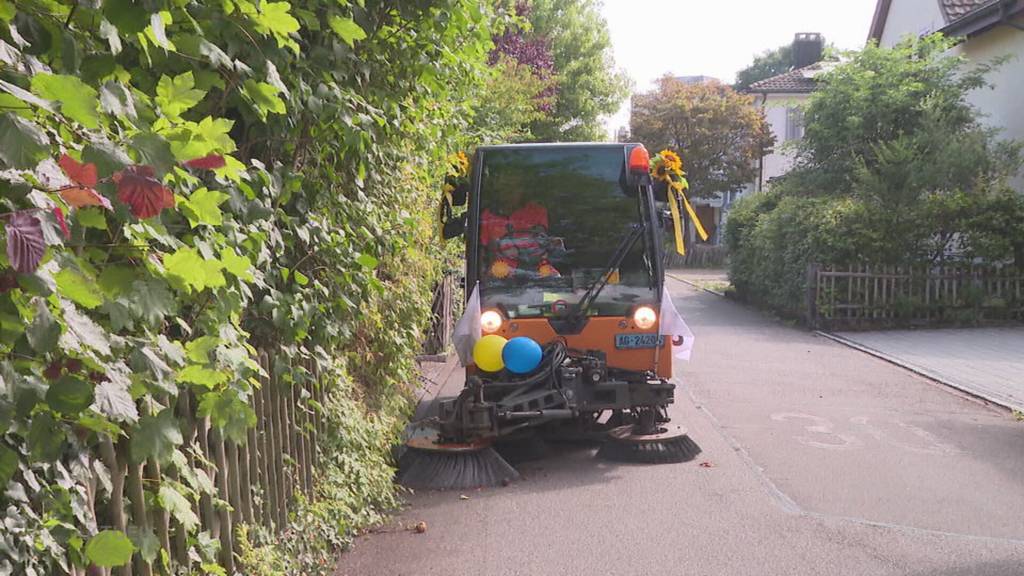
{"x":678,"y":196}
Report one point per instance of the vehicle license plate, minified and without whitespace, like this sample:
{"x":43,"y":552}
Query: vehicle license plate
{"x":634,"y":341}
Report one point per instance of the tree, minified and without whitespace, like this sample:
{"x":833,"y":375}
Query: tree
{"x":895,"y":123}
{"x":894,"y":168}
{"x":587,"y":84}
{"x":719,"y":133}
{"x":512,"y":97}
{"x":767,"y":64}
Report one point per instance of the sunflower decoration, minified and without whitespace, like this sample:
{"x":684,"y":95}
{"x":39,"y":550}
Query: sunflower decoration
{"x":667,"y":167}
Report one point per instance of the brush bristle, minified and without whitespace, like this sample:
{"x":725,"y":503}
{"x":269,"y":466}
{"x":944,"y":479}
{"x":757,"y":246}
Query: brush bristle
{"x":439,"y":470}
{"x":669,"y":450}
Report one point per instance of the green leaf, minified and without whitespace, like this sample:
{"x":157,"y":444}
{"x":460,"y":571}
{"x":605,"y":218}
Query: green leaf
{"x":107,"y":156}
{"x":238,"y":265}
{"x":116,"y":280}
{"x":264,"y":98}
{"x":129,"y":16}
{"x":8,"y":464}
{"x":147,"y":357}
{"x":178,"y":506}
{"x":145,"y":541}
{"x":43,"y":332}
{"x":198,"y":350}
{"x":116,"y":99}
{"x":202,"y":376}
{"x":300,"y":278}
{"x":45,"y":438}
{"x":152,"y":301}
{"x":22,"y":143}
{"x":228,"y":412}
{"x":155,"y":151}
{"x":273,"y":18}
{"x":155,"y":437}
{"x":92,"y":217}
{"x":172,"y":350}
{"x":98,"y":424}
{"x":78,"y":288}
{"x":203,"y":207}
{"x":78,"y":100}
{"x":177,"y":95}
{"x":216,"y":132}
{"x":367,"y":261}
{"x":195,"y":272}
{"x":69,"y":395}
{"x":115,"y":402}
{"x":109,"y":549}
{"x":347,"y":30}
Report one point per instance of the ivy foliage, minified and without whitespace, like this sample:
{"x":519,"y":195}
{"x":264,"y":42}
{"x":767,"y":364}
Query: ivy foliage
{"x":182,"y":184}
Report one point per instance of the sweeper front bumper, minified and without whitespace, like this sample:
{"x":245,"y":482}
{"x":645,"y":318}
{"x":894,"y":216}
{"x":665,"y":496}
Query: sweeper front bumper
{"x":570,"y":386}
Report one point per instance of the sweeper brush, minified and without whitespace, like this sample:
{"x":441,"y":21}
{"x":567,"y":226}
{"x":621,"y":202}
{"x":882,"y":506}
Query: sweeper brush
{"x":663,"y":446}
{"x":427,"y":465}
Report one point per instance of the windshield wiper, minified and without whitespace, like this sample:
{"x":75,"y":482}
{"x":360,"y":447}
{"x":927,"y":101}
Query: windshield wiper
{"x":580,"y":308}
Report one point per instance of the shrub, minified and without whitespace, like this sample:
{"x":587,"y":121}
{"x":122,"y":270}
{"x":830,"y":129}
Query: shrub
{"x":894,"y":168}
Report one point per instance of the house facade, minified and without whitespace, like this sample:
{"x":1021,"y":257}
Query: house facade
{"x":988,"y":29}
{"x":782,"y":99}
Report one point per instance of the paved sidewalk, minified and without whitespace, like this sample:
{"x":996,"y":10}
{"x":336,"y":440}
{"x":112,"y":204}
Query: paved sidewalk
{"x":817,"y":460}
{"x":986,"y":362}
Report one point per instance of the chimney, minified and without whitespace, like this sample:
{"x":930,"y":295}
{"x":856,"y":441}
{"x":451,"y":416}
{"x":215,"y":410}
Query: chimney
{"x":808,"y":48}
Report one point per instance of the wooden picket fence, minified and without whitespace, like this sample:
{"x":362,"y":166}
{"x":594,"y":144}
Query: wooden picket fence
{"x":439,"y":335}
{"x":697,"y":256}
{"x":258,"y":478}
{"x":866,"y":296}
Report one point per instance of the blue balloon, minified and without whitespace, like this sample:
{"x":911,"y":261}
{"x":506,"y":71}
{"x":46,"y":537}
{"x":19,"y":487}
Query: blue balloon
{"x":521,"y":355}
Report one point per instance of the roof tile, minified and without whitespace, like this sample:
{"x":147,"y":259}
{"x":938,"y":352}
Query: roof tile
{"x":956,"y":9}
{"x":799,"y":81}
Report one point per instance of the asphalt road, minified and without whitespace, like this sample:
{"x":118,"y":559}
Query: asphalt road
{"x":819,"y":460}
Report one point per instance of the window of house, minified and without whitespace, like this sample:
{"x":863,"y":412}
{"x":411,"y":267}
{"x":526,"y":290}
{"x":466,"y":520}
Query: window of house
{"x":794,"y":123}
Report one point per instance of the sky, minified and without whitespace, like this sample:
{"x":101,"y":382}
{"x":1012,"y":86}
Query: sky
{"x":719,"y":37}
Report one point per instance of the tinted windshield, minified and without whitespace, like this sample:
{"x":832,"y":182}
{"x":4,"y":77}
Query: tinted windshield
{"x":550,"y":221}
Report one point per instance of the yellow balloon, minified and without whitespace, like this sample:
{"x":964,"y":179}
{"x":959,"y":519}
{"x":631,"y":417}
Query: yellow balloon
{"x":487,"y":353}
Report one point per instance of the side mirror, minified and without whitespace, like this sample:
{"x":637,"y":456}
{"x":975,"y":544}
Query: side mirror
{"x":460,"y":193}
{"x":454,"y":227}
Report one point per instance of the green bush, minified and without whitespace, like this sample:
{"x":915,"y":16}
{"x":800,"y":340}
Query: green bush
{"x":894,"y":169}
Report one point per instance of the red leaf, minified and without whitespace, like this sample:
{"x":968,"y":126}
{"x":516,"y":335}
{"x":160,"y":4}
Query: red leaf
{"x":211,"y":162}
{"x":25,"y":244}
{"x":84,"y":175}
{"x":53,"y":371}
{"x":143,"y":193}
{"x":78,"y":196}
{"x":81,"y":174}
{"x":59,"y":215}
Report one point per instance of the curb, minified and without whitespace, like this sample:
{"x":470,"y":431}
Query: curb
{"x":975,"y":394}
{"x":695,"y":285}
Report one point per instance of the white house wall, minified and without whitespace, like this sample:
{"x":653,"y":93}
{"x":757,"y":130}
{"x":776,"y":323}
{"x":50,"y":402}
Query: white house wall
{"x":775,"y":111}
{"x":1004,"y":104}
{"x":911,"y":17}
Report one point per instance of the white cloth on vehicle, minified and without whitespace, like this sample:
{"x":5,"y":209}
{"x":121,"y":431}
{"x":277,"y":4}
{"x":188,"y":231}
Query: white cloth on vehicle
{"x":673,"y":326}
{"x":467,"y":329}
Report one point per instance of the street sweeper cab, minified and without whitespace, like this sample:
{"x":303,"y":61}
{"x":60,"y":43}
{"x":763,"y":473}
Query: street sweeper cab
{"x":568,"y":331}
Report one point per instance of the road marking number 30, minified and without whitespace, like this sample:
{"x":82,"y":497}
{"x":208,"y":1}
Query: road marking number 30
{"x":822,"y":434}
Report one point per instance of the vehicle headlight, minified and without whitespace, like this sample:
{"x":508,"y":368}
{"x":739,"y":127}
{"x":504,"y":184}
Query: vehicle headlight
{"x":490,"y":321}
{"x":644,"y":317}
